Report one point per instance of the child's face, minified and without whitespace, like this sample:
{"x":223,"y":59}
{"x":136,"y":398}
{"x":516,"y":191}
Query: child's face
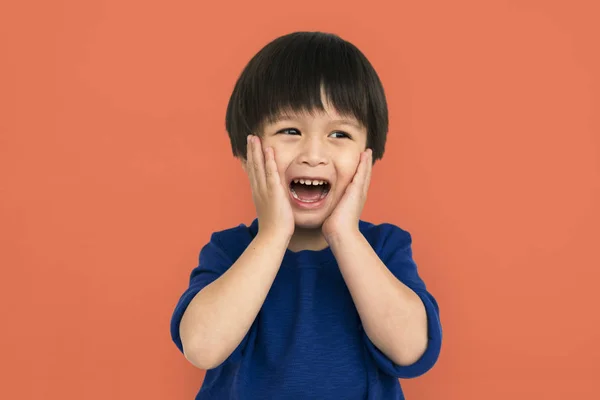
{"x":324,"y":147}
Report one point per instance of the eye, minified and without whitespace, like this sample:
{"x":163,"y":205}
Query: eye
{"x":289,"y":131}
{"x":340,"y":134}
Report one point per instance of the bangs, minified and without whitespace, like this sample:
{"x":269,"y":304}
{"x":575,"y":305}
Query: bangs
{"x":297,"y":73}
{"x":305,"y":73}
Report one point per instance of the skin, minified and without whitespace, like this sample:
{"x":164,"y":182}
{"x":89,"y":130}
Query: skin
{"x":332,"y":147}
{"x":325,"y":145}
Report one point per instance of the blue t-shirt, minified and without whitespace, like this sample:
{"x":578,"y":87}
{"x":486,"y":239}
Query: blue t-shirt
{"x":307,"y":340}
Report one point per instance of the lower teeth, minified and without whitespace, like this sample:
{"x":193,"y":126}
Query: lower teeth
{"x":321,"y":197}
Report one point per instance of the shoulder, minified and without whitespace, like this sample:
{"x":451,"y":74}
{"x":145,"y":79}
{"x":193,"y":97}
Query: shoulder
{"x":230,"y":234}
{"x":232,"y":241}
{"x":385,"y":237}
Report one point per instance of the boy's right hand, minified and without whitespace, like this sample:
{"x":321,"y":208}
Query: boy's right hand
{"x":275,"y":216}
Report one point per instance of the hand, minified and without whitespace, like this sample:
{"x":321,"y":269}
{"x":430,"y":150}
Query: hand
{"x":345,"y":216}
{"x":275,"y":216}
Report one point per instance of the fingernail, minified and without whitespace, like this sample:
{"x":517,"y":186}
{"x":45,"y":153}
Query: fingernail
{"x":248,"y":139}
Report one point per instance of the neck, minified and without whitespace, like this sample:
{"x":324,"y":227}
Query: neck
{"x":307,"y":239}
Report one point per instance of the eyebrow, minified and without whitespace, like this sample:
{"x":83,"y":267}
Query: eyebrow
{"x":349,"y":122}
{"x":281,"y":117}
{"x":290,"y":117}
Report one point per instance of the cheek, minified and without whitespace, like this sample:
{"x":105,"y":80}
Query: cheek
{"x":283,"y":157}
{"x":346,"y":168}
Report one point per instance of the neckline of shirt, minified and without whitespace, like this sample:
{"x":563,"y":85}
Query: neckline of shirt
{"x":301,"y":258}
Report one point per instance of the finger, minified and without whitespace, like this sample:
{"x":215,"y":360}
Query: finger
{"x":271,"y":172}
{"x":369,"y":165}
{"x":354,"y":189}
{"x":249,"y":161}
{"x":359,"y":176}
{"x":258,"y":163}
{"x":362,"y":176}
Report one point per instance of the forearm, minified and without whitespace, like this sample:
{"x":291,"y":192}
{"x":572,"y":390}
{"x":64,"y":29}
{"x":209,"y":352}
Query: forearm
{"x":392,"y":315}
{"x":219,"y":316}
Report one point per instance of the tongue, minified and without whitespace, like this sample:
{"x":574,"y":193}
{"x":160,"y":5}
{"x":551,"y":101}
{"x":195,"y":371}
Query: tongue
{"x":308,"y":193}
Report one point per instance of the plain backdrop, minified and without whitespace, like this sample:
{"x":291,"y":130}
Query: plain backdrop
{"x":115,"y":168}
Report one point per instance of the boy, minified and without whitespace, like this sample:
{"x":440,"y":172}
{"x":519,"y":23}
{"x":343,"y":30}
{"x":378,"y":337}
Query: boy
{"x":308,"y":301}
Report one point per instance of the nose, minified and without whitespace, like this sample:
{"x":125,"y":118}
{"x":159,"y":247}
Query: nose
{"x":313,"y":152}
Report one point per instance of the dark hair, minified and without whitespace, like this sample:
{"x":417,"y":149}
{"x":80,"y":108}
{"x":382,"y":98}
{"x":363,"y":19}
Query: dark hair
{"x":290,"y":73}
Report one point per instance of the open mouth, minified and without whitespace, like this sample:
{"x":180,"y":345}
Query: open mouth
{"x":309,"y":190}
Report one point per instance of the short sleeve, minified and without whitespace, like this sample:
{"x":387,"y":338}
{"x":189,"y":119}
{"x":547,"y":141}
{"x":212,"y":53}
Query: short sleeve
{"x":212,"y":263}
{"x":396,"y":253}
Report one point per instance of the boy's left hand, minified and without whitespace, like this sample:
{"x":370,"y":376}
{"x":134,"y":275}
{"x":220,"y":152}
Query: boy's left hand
{"x":346,"y":214}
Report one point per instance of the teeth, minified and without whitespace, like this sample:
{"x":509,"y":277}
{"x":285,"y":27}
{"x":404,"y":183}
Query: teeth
{"x":309,"y":182}
{"x":309,"y":201}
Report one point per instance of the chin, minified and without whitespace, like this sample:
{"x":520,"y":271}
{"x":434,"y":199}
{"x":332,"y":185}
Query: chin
{"x":309,"y":221}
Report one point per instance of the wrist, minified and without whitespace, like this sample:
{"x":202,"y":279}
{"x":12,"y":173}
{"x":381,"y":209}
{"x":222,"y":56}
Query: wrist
{"x":275,"y":238}
{"x":342,"y":236}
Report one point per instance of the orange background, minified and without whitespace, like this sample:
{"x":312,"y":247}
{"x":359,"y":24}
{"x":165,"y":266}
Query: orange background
{"x":115,"y":168}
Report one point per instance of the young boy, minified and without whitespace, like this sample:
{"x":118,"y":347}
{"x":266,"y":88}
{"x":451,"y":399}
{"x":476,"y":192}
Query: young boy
{"x":308,"y":301}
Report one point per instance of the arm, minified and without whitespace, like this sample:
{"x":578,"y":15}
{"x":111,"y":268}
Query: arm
{"x":392,"y":314}
{"x":219,"y":316}
{"x":400,"y":319}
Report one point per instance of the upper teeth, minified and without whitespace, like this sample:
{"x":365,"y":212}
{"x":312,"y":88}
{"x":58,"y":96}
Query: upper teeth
{"x":309,"y":182}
